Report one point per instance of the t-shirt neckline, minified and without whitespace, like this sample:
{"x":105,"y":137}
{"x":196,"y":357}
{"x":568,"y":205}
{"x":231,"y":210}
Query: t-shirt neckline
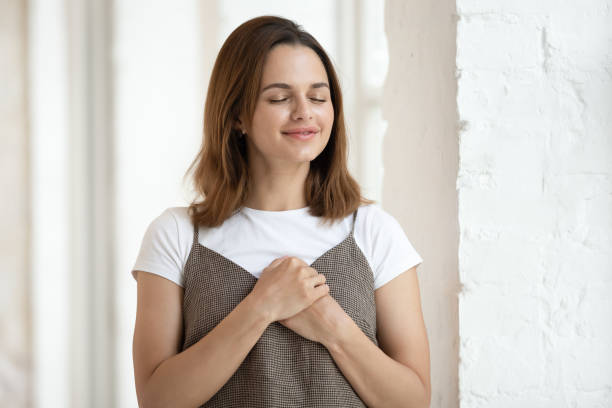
{"x":295,"y":211}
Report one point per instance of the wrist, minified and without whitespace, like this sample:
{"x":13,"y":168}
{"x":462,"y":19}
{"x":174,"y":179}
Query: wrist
{"x":339,"y":332}
{"x":258,"y":307}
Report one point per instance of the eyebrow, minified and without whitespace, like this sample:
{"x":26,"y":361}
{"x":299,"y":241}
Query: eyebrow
{"x":287,"y":86}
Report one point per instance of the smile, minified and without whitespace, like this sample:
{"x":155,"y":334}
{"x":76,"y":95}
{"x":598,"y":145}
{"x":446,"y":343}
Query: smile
{"x":301,"y":135}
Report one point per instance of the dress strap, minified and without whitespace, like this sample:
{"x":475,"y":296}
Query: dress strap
{"x":195,"y":234}
{"x":354,"y":221}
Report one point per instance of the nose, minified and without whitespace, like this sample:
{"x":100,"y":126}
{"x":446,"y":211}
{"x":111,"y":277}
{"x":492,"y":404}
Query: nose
{"x":301,"y":109}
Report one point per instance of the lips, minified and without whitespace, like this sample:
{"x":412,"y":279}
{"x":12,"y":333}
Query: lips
{"x":304,"y":131}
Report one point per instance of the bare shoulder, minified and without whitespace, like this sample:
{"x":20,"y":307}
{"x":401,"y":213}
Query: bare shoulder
{"x":159,"y":325}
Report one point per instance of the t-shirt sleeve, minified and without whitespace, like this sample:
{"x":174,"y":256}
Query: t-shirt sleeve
{"x":392,"y":252}
{"x":160,"y":250}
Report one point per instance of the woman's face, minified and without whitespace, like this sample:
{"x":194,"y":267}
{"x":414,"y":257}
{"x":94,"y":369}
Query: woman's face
{"x":294,"y":114}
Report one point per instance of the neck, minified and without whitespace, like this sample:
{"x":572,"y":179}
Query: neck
{"x":278,"y":189}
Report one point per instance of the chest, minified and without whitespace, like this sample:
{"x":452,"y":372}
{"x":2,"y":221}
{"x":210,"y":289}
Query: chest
{"x":215,"y":285}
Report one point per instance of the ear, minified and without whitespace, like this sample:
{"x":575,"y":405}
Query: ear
{"x":239,"y":126}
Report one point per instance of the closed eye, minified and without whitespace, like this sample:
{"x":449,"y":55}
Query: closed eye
{"x":284,"y":99}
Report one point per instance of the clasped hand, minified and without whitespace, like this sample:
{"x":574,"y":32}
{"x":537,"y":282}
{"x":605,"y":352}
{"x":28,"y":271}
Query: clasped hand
{"x":319,"y":322}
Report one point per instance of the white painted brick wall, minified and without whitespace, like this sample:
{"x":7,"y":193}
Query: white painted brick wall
{"x":535,"y":203}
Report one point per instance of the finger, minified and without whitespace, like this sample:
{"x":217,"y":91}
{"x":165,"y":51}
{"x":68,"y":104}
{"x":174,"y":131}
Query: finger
{"x":278,"y":260}
{"x":318,"y":279}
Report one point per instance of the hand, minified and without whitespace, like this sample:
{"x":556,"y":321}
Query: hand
{"x":286,"y":287}
{"x":320,"y":322}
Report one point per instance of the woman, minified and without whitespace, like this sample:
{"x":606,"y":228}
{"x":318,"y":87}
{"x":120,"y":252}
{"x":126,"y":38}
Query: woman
{"x":236,"y":305}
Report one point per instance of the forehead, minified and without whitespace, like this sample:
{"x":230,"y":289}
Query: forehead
{"x":293,"y":64}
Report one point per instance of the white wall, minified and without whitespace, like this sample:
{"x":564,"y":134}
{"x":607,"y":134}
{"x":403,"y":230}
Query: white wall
{"x":535,"y":203}
{"x":15,"y":334}
{"x":420,"y":167}
{"x":48,"y":106}
{"x":158,"y":101}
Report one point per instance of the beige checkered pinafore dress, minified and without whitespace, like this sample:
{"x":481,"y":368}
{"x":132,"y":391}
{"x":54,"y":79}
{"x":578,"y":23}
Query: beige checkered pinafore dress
{"x":283,"y":369}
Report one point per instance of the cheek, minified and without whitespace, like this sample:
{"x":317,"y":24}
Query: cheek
{"x":329,"y":116}
{"x":267,"y":117}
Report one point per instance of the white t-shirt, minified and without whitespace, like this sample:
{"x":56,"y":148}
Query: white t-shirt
{"x":254,"y":238}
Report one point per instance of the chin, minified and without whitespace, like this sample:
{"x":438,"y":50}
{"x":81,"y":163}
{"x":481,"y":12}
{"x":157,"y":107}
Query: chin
{"x":304,"y":159}
{"x":308,"y":157}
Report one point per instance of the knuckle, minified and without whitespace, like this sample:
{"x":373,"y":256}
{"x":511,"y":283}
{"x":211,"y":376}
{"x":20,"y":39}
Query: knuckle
{"x":304,"y":271}
{"x":295,"y":261}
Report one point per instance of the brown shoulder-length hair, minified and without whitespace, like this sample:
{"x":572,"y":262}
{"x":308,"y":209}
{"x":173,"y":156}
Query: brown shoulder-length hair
{"x":221,"y":166}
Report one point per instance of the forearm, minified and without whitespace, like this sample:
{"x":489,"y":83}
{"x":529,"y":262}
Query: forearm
{"x":193,"y":376}
{"x":379,"y":380}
